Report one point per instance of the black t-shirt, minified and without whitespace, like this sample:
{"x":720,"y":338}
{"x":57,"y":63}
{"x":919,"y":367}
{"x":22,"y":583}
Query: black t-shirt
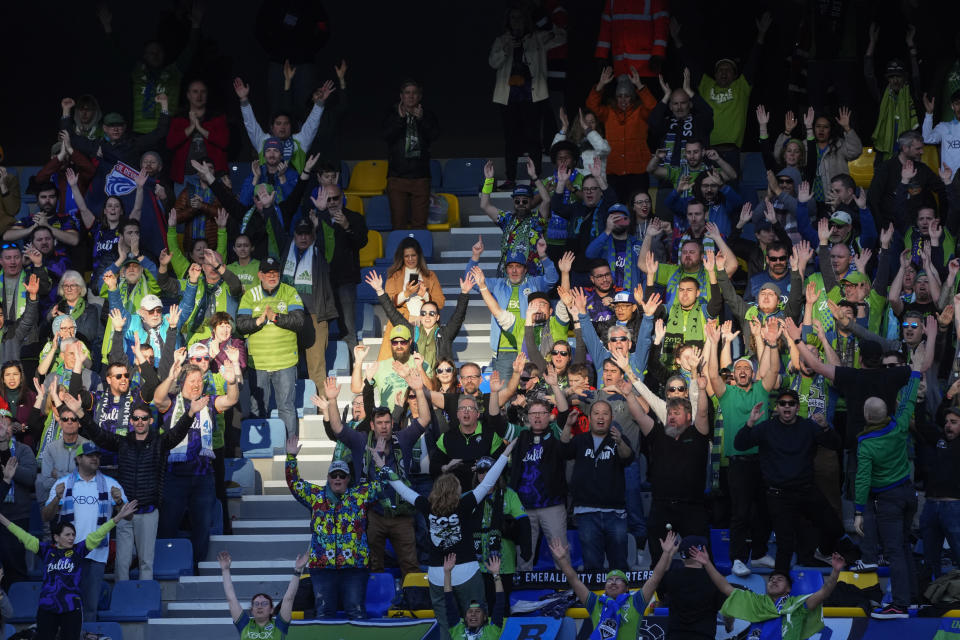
{"x":857,"y":385}
{"x":926,"y":308}
{"x":678,"y":466}
{"x":694,"y":602}
{"x":453,"y":533}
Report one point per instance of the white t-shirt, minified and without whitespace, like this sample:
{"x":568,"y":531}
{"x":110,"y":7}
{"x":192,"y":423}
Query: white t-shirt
{"x":86,"y":508}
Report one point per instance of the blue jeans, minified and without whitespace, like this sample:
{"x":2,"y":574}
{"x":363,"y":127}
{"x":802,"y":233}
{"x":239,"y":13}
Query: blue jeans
{"x":283,"y":382}
{"x":196,"y":493}
{"x":895,"y":509}
{"x":348,"y":585}
{"x":91,"y":577}
{"x":636,"y":521}
{"x":603,"y":532}
{"x":939,"y":519}
{"x":503,"y":363}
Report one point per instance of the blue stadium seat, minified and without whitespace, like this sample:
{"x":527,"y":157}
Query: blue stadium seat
{"x":173,"y":558}
{"x":134,"y":601}
{"x":24,"y":175}
{"x":529,"y":594}
{"x":344,"y":174}
{"x":376,"y":212}
{"x":238,"y":173}
{"x":805,"y":581}
{"x":436,"y":175}
{"x":753,"y":582}
{"x":380,"y":594}
{"x":36,"y":522}
{"x":240,"y":471}
{"x":720,"y":549}
{"x":24,"y":596}
{"x":107,"y":629}
{"x":365,"y":294}
{"x":753,"y":174}
{"x":8,"y":630}
{"x":259,"y":437}
{"x":463,"y":176}
{"x":424,"y":237}
{"x":306,"y":389}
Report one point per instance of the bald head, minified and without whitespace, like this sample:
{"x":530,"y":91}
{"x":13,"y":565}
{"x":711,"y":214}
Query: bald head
{"x":875,"y":411}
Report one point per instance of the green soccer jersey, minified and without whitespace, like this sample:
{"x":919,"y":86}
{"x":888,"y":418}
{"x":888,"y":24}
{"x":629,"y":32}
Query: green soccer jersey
{"x":736,"y":404}
{"x":631,"y":613}
{"x":247,"y":274}
{"x":271,"y":348}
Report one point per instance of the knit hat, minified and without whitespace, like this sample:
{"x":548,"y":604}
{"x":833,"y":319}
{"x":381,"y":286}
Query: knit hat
{"x":59,"y":320}
{"x":273,"y":143}
{"x":769,"y":286}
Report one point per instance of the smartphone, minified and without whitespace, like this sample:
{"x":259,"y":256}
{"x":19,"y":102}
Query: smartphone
{"x":414,"y":278}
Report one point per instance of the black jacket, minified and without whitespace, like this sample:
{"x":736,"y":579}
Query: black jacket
{"x":662,"y":121}
{"x":127,"y":149}
{"x":787,"y":450}
{"x":882,"y":195}
{"x":395,"y":133}
{"x":552,"y":464}
{"x":319,"y":303}
{"x":257,"y":226}
{"x":454,"y":444}
{"x":446,"y":333}
{"x":597,"y":474}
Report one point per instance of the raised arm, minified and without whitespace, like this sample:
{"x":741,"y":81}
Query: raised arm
{"x":286,"y":605}
{"x":669,"y":545}
{"x":818,"y":597}
{"x":559,"y":550}
{"x":701,"y":556}
{"x":236,"y":610}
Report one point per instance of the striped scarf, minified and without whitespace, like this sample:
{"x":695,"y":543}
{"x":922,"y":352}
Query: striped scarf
{"x":105,"y":508}
{"x":13,"y":454}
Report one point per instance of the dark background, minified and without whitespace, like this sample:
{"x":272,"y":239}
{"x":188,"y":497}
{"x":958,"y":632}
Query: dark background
{"x":49,"y":50}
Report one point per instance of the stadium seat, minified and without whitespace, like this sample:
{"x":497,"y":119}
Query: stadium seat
{"x":453,"y":213}
{"x":752,"y":582}
{"x":436,"y":175}
{"x":529,"y":595}
{"x":377,"y":213}
{"x":720,"y":549}
{"x":238,"y":173}
{"x":368,"y":178}
{"x":365,"y":294}
{"x":173,"y":558}
{"x":241,"y":472}
{"x":24,"y":175}
{"x":463,"y":176}
{"x":417,"y":581}
{"x":24,"y":597}
{"x":805,"y":581}
{"x":344,"y":174}
{"x":133,"y":601}
{"x":753,"y":172}
{"x":396,"y":237}
{"x":861,"y":169}
{"x":305,"y":390}
{"x":931,"y":157}
{"x":110,"y":630}
{"x":380,"y":594}
{"x":8,"y":630}
{"x":355,"y":203}
{"x":860,"y":580}
{"x":259,"y":438}
{"x":372,"y":250}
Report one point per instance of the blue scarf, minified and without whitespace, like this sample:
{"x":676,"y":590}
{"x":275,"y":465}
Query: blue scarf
{"x":609,"y":623}
{"x":103,"y":495}
{"x":13,"y":454}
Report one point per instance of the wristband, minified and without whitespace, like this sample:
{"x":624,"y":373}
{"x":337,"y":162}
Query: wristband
{"x":299,"y":574}
{"x":487,"y":186}
{"x":797,"y":341}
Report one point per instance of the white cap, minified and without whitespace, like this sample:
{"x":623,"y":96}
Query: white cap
{"x":150,"y":302}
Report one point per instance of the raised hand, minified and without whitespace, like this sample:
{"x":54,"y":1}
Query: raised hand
{"x":907,"y":172}
{"x":659,"y":331}
{"x":804,"y":194}
{"x":946,"y":174}
{"x":757,"y":412}
{"x":566,"y":261}
{"x":449,"y":562}
{"x":651,"y":265}
{"x":173,"y":316}
{"x":531,"y":169}
{"x":477,"y":249}
{"x":709,"y":260}
{"x":606,"y":76}
{"x":488,"y":170}
{"x":496,"y":384}
{"x":763,"y":117}
{"x":242,"y":90}
{"x":823,"y":231}
{"x":843,"y":118}
{"x":808,"y":118}
{"x":110,"y":280}
{"x":477,"y":274}
{"x":293,"y":445}
{"x":928,"y":103}
{"x":651,"y":304}
{"x":789,"y":122}
{"x":375,"y":281}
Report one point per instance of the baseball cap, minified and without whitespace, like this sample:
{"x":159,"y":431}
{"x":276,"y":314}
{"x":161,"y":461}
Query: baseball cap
{"x":150,"y":302}
{"x":477,"y":604}
{"x":788,"y":392}
{"x":304,"y":227}
{"x":113,"y":118}
{"x":895,"y":68}
{"x":130,"y":259}
{"x":516,"y":256}
{"x":537,"y":295}
{"x":616,"y":573}
{"x":691,"y":541}
{"x":338,"y":465}
{"x":197,"y":348}
{"x":522,"y":191}
{"x":841,"y":217}
{"x":273,"y":143}
{"x":400,"y":331}
{"x":769,"y":286}
{"x":86,"y":449}
{"x":854,"y":277}
{"x":485,"y":463}
{"x":954,"y":410}
{"x":623,"y":296}
{"x":269,"y":264}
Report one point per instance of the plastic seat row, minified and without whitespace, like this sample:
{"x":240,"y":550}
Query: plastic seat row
{"x":130,"y":601}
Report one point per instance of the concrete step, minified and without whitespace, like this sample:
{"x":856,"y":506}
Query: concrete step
{"x":180,"y":610}
{"x":280,"y":507}
{"x":282,"y":568}
{"x":274,"y":526}
{"x":219,"y":628}
{"x":210,"y":588}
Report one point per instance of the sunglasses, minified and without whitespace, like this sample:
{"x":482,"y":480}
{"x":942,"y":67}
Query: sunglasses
{"x":784,"y":181}
{"x":139,"y":418}
{"x":521,"y":201}
{"x":525,"y":378}
{"x":158,"y":310}
{"x":120,"y":376}
{"x":776,"y":258}
{"x":8,"y":245}
{"x":338,"y":475}
{"x":399,"y":341}
{"x":560,"y":353}
{"x":444,"y":369}
{"x":199,"y":358}
{"x":620,"y":339}
{"x":891,"y":365}
{"x":787,"y":403}
{"x":910,"y":325}
{"x":674,"y":389}
{"x":432,"y":314}
{"x":69,"y":419}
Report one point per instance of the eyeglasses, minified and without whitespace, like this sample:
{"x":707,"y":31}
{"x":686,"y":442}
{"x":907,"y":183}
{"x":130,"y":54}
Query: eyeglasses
{"x":69,"y":419}
{"x":67,"y":327}
{"x":467,"y":408}
{"x":675,"y":389}
{"x":399,"y":341}
{"x":911,"y":325}
{"x":565,"y":354}
{"x":590,"y":189}
{"x":891,"y":365}
{"x":333,"y":199}
{"x":337,"y":475}
{"x":599,"y":276}
{"x":619,"y":339}
{"x":776,"y":258}
{"x":639,"y":202}
{"x":787,"y":403}
{"x":444,"y":369}
{"x":261,"y":603}
{"x":785,"y":181}
{"x":120,"y":376}
{"x":70,"y":285}
{"x":139,"y":418}
{"x":432,"y":314}
{"x":537,"y":413}
{"x":199,"y":358}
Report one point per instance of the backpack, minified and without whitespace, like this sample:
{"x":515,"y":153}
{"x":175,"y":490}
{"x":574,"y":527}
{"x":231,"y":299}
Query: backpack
{"x":945,"y":590}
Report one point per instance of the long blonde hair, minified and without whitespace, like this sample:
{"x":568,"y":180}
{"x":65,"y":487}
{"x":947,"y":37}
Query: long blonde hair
{"x":445,"y":496}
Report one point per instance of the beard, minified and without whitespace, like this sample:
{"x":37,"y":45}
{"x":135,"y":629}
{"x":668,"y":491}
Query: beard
{"x":673,"y":432}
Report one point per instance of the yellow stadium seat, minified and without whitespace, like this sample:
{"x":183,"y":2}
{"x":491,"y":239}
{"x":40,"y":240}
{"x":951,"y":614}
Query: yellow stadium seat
{"x":355,"y":203}
{"x":372,"y":250}
{"x":413,"y":580}
{"x":453,"y":213}
{"x":861,"y":169}
{"x":368,"y":178}
{"x":931,"y":157}
{"x":860,"y":580}
{"x":843,"y":612}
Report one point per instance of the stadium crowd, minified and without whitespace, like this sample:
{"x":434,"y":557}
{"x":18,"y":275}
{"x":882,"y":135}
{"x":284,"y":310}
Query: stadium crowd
{"x":783,"y":363}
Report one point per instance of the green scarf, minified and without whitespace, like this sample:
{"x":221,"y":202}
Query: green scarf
{"x":798,"y":622}
{"x":427,"y":346}
{"x":78,"y":309}
{"x":897,"y":114}
{"x":329,"y":239}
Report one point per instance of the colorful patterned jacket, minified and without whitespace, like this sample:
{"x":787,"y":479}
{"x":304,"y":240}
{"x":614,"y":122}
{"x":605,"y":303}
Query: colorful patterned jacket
{"x":338,"y":528}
